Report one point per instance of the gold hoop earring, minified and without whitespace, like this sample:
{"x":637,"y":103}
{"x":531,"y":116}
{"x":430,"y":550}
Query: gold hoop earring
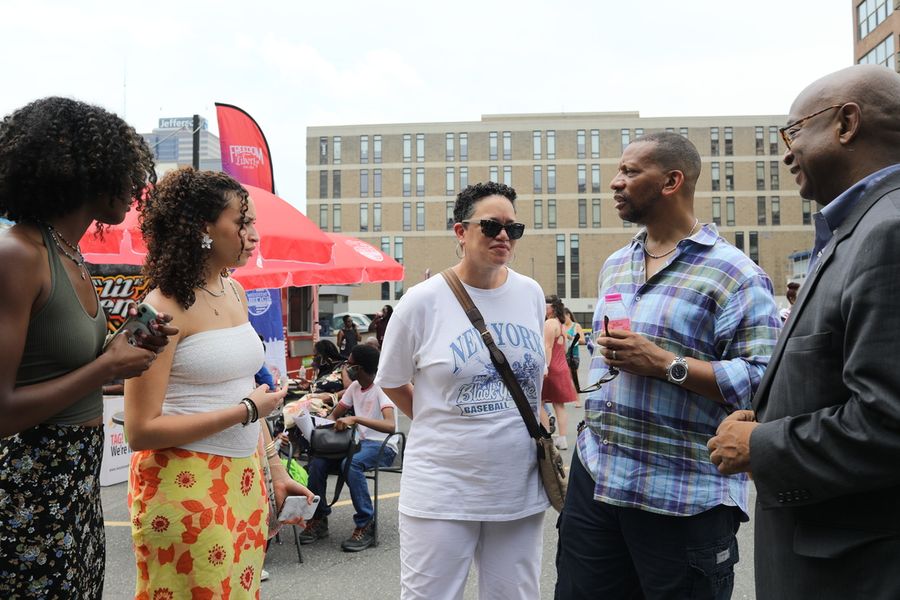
{"x":460,"y":251}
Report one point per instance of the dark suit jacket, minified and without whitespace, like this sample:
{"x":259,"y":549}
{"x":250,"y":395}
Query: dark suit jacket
{"x":826,"y":456}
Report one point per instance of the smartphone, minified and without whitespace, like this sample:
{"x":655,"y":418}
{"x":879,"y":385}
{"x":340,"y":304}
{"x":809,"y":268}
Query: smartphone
{"x":296,"y":507}
{"x":145,"y":315}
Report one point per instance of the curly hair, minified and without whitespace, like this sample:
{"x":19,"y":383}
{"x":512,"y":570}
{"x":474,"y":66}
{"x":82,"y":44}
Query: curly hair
{"x":172,"y":223}
{"x":559,"y":309}
{"x":56,"y":154}
{"x":466,"y":199}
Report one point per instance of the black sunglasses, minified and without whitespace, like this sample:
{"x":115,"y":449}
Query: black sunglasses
{"x":611,"y":374}
{"x":492,"y":228}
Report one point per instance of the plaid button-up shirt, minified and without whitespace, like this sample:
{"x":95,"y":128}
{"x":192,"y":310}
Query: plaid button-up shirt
{"x":645,"y":444}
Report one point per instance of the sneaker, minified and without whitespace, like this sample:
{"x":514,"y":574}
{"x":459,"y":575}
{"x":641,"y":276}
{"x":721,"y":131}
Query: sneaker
{"x":316,"y":529}
{"x":264,"y":575}
{"x":362,"y":538}
{"x":560,"y":442}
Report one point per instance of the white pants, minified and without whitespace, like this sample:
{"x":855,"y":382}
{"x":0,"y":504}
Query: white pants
{"x":435,"y":556}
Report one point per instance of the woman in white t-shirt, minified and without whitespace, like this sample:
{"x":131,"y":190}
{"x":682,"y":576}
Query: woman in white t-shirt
{"x":470,"y":488}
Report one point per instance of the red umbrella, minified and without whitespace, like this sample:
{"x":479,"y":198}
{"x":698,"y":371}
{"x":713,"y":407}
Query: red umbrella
{"x":285,"y":232}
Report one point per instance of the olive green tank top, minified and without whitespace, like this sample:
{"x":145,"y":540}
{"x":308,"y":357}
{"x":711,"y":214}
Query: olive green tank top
{"x":63,"y":337}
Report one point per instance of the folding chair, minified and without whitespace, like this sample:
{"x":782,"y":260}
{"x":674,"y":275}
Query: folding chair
{"x":395,"y":467}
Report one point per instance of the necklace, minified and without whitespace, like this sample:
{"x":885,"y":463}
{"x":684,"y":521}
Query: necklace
{"x":77,"y":258}
{"x":218,"y":294}
{"x":664,"y":254}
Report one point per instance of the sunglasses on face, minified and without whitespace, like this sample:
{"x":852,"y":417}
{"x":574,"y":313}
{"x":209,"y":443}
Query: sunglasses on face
{"x":611,"y":374}
{"x":492,"y":228}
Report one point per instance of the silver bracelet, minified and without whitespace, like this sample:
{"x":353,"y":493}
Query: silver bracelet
{"x":249,"y":408}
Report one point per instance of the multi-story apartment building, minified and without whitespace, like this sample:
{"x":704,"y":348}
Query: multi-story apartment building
{"x":876,"y":26}
{"x":394,"y":185}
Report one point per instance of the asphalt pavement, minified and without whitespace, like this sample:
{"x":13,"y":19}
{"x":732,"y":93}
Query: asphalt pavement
{"x":373,"y":574}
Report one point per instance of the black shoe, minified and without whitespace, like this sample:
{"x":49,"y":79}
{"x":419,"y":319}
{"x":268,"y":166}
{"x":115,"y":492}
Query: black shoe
{"x":316,"y":529}
{"x":362,"y":538}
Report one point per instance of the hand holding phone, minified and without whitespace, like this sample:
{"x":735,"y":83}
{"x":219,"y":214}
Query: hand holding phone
{"x":296,"y":507}
{"x":145,"y":315}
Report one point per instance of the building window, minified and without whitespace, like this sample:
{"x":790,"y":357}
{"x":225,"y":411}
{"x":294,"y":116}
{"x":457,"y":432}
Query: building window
{"x":561,"y":266}
{"x":386,"y":287}
{"x":376,"y":183}
{"x":582,"y":179}
{"x":420,"y":147}
{"x":871,"y":13}
{"x":729,"y":141}
{"x":882,"y":54}
{"x":449,"y":152}
{"x":407,"y":216}
{"x":507,"y":175}
{"x":683,"y":131}
{"x":739,"y":240}
{"x":626,"y":137}
{"x":760,"y":141}
{"x":714,"y":141}
{"x":336,"y":217}
{"x":407,"y":147}
{"x":336,"y":150}
{"x":760,"y":210}
{"x":773,"y":139}
{"x":595,"y":213}
{"x":582,"y":213}
{"x":536,"y":145}
{"x":536,"y":187}
{"x":449,"y":180}
{"x":363,"y":149}
{"x":463,"y":178}
{"x":754,"y":246}
{"x":579,"y":143}
{"x":376,"y":148}
{"x":760,"y":175}
{"x":336,"y":184}
{"x":776,"y":210}
{"x":714,"y":176}
{"x":729,"y":211}
{"x":449,"y":210}
{"x":323,"y":150}
{"x":363,"y":183}
{"x":638,"y":132}
{"x":463,"y":146}
{"x":774,"y":182}
{"x":717,"y":210}
{"x":507,"y":145}
{"x":551,"y":145}
{"x":323,"y":217}
{"x":492,"y":145}
{"x":729,"y":177}
{"x":323,"y":184}
{"x":551,"y":213}
{"x":595,"y":179}
{"x":420,"y":181}
{"x":364,"y":216}
{"x":407,"y":182}
{"x":551,"y":179}
{"x":595,"y":143}
{"x":538,"y":214}
{"x":300,"y":299}
{"x":376,"y":216}
{"x":398,"y":256}
{"x":807,"y":212}
{"x":670,"y":130}
{"x":574,"y":266}
{"x":420,"y":216}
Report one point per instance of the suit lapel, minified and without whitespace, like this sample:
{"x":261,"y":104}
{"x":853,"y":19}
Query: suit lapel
{"x":846,"y":228}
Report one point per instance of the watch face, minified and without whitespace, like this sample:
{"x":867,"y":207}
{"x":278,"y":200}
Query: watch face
{"x":678,"y":372}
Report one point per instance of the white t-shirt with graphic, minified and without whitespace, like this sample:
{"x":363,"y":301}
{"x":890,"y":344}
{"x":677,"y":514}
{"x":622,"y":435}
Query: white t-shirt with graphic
{"x":469,"y":455}
{"x":369,"y":403}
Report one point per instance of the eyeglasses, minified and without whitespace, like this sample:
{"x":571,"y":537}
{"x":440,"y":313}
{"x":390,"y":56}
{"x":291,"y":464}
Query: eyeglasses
{"x":611,"y":374}
{"x":492,"y":228}
{"x":790,"y":131}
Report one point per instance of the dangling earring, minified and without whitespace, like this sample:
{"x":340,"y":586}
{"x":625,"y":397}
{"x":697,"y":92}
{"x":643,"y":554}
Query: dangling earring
{"x":460,"y":251}
{"x":206,"y":241}
{"x":225,"y":273}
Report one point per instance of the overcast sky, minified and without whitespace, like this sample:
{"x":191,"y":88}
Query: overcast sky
{"x":296,"y":64}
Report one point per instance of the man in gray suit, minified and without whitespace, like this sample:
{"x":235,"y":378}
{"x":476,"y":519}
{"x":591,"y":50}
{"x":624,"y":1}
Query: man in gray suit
{"x":824,"y":448}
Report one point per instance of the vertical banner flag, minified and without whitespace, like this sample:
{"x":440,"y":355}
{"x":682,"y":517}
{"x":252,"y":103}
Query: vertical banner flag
{"x":265,"y":316}
{"x":245,"y":151}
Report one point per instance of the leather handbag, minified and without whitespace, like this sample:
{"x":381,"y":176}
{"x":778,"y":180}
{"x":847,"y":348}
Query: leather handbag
{"x":550,"y":462}
{"x":328,"y":443}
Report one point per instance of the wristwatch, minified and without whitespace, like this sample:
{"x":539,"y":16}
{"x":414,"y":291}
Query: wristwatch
{"x":677,"y":371}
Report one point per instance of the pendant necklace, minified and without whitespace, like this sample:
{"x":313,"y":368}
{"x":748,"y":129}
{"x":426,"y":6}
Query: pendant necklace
{"x":675,"y":247}
{"x":77,"y":258}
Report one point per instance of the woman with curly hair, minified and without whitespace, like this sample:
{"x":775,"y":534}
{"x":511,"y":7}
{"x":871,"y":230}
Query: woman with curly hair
{"x":199,"y":506}
{"x":63,"y":164}
{"x":558,"y":387}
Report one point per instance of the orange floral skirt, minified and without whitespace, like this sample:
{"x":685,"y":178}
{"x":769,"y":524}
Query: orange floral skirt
{"x":198,"y":522}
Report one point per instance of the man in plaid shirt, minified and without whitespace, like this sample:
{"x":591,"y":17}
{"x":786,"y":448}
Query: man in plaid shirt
{"x":647,"y":515}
